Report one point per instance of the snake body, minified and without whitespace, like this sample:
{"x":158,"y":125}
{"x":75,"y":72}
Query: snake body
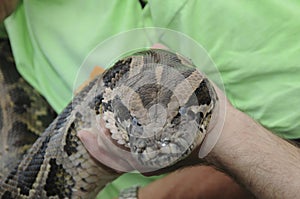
{"x":155,"y":103}
{"x":24,"y":113}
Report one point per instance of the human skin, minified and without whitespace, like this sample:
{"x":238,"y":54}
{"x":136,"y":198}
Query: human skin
{"x":194,"y":182}
{"x":7,"y":7}
{"x":262,"y":162}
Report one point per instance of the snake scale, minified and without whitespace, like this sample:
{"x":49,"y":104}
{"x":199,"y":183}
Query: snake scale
{"x":155,"y":104}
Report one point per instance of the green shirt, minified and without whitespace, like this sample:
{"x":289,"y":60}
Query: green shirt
{"x":254,"y":45}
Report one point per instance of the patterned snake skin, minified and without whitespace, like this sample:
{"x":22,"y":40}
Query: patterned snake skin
{"x":155,"y":104}
{"x":24,"y":114}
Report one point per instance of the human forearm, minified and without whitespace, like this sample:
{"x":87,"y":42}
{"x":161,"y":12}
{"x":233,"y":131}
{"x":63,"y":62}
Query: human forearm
{"x":194,"y":182}
{"x":264,"y":163}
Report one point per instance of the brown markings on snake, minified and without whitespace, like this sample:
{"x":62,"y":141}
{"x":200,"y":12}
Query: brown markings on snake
{"x":172,"y":80}
{"x":10,"y":73}
{"x":204,"y":97}
{"x":203,"y":93}
{"x":154,"y":94}
{"x":187,"y":72}
{"x":59,"y":181}
{"x":71,"y":140}
{"x":21,"y":135}
{"x":21,"y":100}
{"x":47,"y":119}
{"x":107,"y":106}
{"x":112,"y":75}
{"x":120,"y":110}
{"x":176,"y":120}
{"x":96,"y":103}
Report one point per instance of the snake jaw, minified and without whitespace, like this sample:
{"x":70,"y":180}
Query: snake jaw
{"x":168,"y":146}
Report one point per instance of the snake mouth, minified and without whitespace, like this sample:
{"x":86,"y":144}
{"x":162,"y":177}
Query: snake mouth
{"x":163,"y":146}
{"x":116,"y":142}
{"x":158,"y":154}
{"x":104,"y":149}
{"x":191,"y":159}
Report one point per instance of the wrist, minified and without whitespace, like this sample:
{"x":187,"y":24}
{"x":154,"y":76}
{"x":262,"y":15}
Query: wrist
{"x":237,"y":129}
{"x":256,"y":158}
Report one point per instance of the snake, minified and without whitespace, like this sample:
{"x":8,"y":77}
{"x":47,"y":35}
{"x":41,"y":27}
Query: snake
{"x":156,"y":105}
{"x":24,"y":113}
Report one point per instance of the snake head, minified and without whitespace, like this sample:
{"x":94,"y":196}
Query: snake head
{"x":158,"y":106}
